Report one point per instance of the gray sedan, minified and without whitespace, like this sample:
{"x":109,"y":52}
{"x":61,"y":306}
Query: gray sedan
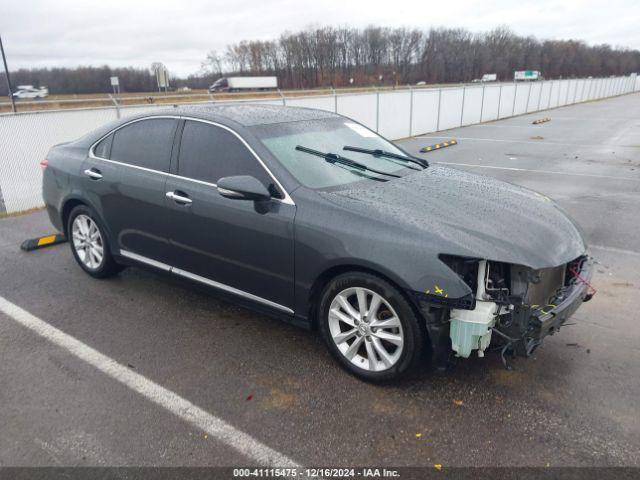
{"x":314,"y":218}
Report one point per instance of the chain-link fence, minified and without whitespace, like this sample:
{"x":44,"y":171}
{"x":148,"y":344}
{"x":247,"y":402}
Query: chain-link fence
{"x":26,"y":137}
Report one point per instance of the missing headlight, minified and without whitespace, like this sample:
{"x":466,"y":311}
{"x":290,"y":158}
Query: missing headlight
{"x":465,"y":268}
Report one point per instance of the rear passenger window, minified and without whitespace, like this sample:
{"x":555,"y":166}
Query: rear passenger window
{"x":146,"y":143}
{"x":208,"y":153}
{"x":103,"y":149}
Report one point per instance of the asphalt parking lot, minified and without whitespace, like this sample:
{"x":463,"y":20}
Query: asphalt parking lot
{"x":574,"y":403}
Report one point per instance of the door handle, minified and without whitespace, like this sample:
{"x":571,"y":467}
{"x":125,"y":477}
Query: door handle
{"x":93,"y":173}
{"x":180,"y":198}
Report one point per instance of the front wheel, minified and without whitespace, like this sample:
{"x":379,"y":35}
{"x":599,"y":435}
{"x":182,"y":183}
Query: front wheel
{"x":370,"y":327}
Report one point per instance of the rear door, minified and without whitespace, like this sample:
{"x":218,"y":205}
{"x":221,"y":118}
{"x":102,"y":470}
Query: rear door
{"x":125,"y":179}
{"x":236,"y":245}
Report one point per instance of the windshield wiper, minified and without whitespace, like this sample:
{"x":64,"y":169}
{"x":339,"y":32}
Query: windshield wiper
{"x":335,"y":158}
{"x":382,"y":153}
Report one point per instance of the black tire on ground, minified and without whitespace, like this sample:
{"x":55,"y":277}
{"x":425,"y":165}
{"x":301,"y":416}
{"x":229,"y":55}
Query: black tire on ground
{"x":108,"y":266}
{"x":413,"y":332}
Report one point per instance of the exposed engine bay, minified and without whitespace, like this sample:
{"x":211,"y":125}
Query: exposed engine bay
{"x":516,"y":306}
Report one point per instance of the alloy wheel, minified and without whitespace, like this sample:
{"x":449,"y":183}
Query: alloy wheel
{"x":366,"y":329}
{"x":87,"y":241}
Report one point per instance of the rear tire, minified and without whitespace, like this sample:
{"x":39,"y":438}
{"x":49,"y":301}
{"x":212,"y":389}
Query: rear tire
{"x":370,"y":328}
{"x":90,"y":244}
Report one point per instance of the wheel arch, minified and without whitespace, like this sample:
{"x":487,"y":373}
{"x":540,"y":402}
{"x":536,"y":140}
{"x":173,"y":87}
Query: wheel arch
{"x":67,"y":206}
{"x":73,"y":201}
{"x":333,"y":271}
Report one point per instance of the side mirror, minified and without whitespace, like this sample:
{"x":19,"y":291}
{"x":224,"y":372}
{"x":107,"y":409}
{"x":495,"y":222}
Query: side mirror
{"x":243,"y":187}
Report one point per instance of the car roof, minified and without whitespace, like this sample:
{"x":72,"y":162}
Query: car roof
{"x":235,"y":116}
{"x":250,"y":114}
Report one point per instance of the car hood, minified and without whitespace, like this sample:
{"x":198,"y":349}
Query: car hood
{"x":459,"y":213}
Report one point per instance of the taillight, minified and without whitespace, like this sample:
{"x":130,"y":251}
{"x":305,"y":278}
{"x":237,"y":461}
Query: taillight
{"x":44,"y":163}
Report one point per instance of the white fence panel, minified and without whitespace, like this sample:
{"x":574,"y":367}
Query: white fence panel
{"x":595,"y":88}
{"x":597,"y":85}
{"x":450,"y":108}
{"x":361,"y":108}
{"x":571,"y":92}
{"x":425,"y":111}
{"x":602,"y":88}
{"x":491,"y":102}
{"x":568,"y":98}
{"x":563,"y":89}
{"x":327,"y":103}
{"x":545,"y":96}
{"x":130,"y":111}
{"x":581,"y":90}
{"x":589,"y":89}
{"x":520,"y":100}
{"x":394,"y":114}
{"x":27,"y":138}
{"x":624,"y":86}
{"x":595,"y":91}
{"x":621,"y":85}
{"x":577,"y":89}
{"x":554,"y":94}
{"x":507,"y":96}
{"x":586,"y":90}
{"x":472,"y":110}
{"x":534,"y":97}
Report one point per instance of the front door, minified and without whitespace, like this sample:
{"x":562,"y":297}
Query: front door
{"x":239,"y":246}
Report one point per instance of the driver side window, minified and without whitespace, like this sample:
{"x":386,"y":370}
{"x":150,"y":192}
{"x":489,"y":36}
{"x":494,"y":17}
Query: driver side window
{"x":208,"y":153}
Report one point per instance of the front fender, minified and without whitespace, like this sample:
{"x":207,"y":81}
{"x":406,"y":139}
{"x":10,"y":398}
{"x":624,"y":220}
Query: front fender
{"x":325,"y":239}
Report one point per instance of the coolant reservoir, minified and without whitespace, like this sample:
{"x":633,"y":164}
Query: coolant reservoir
{"x":471,"y":329}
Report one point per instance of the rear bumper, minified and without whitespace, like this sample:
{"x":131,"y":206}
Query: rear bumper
{"x":54,"y":217}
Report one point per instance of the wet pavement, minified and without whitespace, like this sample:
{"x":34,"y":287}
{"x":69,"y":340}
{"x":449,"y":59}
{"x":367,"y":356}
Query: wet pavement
{"x":575,"y":402}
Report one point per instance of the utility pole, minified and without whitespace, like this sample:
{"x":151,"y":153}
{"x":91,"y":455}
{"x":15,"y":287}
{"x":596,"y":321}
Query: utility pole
{"x":6,"y":70}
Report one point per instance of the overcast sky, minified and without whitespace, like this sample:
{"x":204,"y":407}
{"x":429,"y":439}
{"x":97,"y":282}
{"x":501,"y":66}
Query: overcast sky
{"x":41,"y":33}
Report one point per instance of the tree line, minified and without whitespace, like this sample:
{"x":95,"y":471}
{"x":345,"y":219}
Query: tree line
{"x":343,"y":56}
{"x":332,"y":56}
{"x":81,"y":79}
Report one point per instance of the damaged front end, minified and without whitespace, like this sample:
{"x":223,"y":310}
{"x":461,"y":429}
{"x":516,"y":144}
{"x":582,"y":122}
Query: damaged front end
{"x":545,"y":299}
{"x":514,"y":307}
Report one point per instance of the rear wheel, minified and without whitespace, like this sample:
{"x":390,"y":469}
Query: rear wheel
{"x":89,"y":243}
{"x":370,"y":327}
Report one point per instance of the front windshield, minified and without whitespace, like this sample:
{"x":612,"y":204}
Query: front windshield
{"x":329,"y":136}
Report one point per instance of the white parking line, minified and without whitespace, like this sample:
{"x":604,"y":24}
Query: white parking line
{"x":537,"y":142}
{"x":545,"y":172}
{"x":171,"y":401}
{"x":615,"y":250}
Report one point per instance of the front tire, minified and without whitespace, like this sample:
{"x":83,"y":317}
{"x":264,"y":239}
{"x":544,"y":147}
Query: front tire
{"x":89,"y":243}
{"x":369,"y":327}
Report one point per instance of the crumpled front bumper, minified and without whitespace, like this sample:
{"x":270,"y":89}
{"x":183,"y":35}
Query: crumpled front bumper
{"x":524,"y":327}
{"x":548,"y":320}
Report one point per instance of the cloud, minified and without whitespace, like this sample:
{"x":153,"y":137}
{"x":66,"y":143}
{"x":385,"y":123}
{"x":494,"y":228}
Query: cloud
{"x":40,"y":33}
